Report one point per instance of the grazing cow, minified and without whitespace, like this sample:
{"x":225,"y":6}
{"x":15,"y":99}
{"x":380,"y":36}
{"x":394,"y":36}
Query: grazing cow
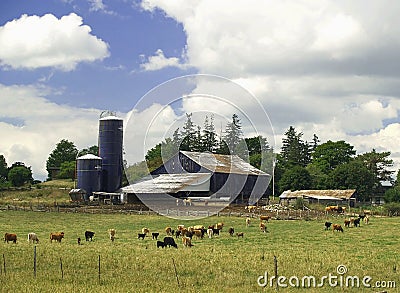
{"x":168,"y":230}
{"x":327,"y":225}
{"x":265,"y":218}
{"x":180,"y":227}
{"x":198,"y":233}
{"x":89,"y":235}
{"x":141,"y":235}
{"x":10,"y":237}
{"x":366,"y":220}
{"x":219,"y":226}
{"x":215,"y":231}
{"x":198,"y":227}
{"x":231,"y":231}
{"x":248,"y":220}
{"x":357,"y":222}
{"x":347,"y":223}
{"x":33,"y":237}
{"x":111,"y":233}
{"x":160,"y":244}
{"x":178,"y":233}
{"x":169,"y":241}
{"x":241,"y":234}
{"x":145,"y":231}
{"x":57,"y":236}
{"x":154,"y":235}
{"x":337,"y":227}
{"x":362,"y":217}
{"x":263,"y":228}
{"x":210,"y":232}
{"x":187,"y":242}
{"x":251,"y":209}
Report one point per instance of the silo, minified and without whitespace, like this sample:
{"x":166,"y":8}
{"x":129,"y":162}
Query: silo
{"x":110,"y":150}
{"x":89,"y":173}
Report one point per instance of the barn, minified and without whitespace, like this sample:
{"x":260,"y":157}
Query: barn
{"x":326,"y":197}
{"x":206,"y":176}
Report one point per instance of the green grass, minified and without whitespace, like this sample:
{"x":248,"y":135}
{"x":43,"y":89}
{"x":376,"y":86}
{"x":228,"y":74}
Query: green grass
{"x":221,"y":264}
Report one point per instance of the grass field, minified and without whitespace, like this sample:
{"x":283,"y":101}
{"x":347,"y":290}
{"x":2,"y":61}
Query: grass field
{"x":221,"y":264}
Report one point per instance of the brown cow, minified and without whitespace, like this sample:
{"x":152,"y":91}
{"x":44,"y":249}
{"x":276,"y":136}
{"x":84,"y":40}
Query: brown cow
{"x":337,"y":227}
{"x":241,"y":234}
{"x":57,"y":236}
{"x":187,"y":241}
{"x":265,"y":218}
{"x":10,"y":237}
{"x":347,"y":223}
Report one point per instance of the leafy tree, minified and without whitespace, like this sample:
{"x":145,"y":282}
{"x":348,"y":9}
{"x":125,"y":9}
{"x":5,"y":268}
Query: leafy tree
{"x":392,"y":195}
{"x":294,"y":150}
{"x":3,"y":168}
{"x":19,"y":174}
{"x":65,"y":151}
{"x":295,"y":178}
{"x":67,"y":170}
{"x":354,"y":175}
{"x":378,"y":164}
{"x":329,"y":155}
{"x":94,"y":150}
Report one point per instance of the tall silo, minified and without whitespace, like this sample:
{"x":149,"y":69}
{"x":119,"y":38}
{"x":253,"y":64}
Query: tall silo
{"x":110,"y":150}
{"x":89,"y":173}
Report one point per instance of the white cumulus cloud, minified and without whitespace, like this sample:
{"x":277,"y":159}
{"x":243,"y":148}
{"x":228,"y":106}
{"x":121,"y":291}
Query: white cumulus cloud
{"x":46,"y":41}
{"x":159,"y":61}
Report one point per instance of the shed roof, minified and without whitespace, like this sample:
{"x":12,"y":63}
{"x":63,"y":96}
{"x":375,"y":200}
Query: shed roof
{"x":171,"y":183}
{"x":327,"y":194}
{"x":223,"y":163}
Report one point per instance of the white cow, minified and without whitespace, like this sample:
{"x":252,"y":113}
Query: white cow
{"x":33,"y":237}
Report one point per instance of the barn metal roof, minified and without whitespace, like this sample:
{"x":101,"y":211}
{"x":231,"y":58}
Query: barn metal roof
{"x":327,"y":194}
{"x":223,"y":163}
{"x":171,"y":183}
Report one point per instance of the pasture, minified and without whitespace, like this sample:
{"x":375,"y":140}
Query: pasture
{"x":221,"y":264}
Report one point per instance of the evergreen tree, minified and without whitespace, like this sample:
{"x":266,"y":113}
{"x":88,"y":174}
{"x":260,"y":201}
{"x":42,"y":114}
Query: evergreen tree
{"x":233,"y":136}
{"x":188,"y":134}
{"x":295,"y":151}
{"x":209,"y":139}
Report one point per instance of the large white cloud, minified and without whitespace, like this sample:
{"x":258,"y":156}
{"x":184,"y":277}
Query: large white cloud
{"x":31,"y":126}
{"x":325,"y":67}
{"x":46,"y":41}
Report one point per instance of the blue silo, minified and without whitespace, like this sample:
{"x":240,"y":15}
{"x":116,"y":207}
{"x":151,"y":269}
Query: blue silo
{"x":89,"y":173}
{"x":110,"y":150}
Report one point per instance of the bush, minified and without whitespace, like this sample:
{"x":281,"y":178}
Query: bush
{"x":393,"y":208}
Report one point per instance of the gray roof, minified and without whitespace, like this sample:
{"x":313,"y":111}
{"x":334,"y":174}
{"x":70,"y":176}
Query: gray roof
{"x":223,"y":163}
{"x":171,"y":183}
{"x":327,"y":194}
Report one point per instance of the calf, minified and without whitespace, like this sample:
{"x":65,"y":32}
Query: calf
{"x":79,"y":241}
{"x":10,"y":237}
{"x":241,"y":234}
{"x":168,"y":230}
{"x":337,"y":227}
{"x":366,"y":220}
{"x":56,"y":236}
{"x":210,"y":233}
{"x":145,"y":231}
{"x":89,"y":235}
{"x":111,"y":233}
{"x":141,"y":235}
{"x":231,"y":231}
{"x":357,"y":222}
{"x":33,"y":237}
{"x":248,"y":220}
{"x":327,"y":225}
{"x":347,"y":223}
{"x":154,"y":235}
{"x":169,"y":241}
{"x":160,"y":244}
{"x":187,"y":242}
{"x":263,"y":228}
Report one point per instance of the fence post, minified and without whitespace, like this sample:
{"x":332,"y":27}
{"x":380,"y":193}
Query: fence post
{"x":4,"y":264}
{"x":99,"y":271}
{"x":34,"y":261}
{"x":276,"y":271}
{"x":61,"y":267}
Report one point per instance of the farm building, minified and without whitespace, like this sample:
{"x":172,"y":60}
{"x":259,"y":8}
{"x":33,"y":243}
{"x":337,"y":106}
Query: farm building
{"x":207,"y":176}
{"x":334,"y":196}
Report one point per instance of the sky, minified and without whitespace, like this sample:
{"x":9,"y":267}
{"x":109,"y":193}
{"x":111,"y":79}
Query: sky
{"x":328,"y":68}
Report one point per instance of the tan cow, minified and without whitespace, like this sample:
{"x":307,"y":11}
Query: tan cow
{"x":187,"y":242}
{"x":111,"y":233}
{"x":248,"y":221}
{"x":57,"y":236}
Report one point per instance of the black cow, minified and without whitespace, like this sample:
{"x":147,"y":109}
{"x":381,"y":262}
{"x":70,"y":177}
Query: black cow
{"x":178,"y":233}
{"x":89,"y":235}
{"x":160,"y":244}
{"x":357,"y":222}
{"x":141,"y":235}
{"x":154,"y":235}
{"x":169,"y":241}
{"x":327,"y":225}
{"x":215,"y":231}
{"x":231,"y":231}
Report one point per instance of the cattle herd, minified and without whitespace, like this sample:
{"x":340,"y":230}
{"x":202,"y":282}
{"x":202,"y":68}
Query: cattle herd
{"x":198,"y":231}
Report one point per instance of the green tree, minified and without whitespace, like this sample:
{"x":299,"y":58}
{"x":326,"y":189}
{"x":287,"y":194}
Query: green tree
{"x":295,"y":151}
{"x":67,"y":170}
{"x":378,"y":164}
{"x":3,"y":168}
{"x":233,"y":137}
{"x":392,"y":195}
{"x":65,"y":151}
{"x":354,"y":175}
{"x":295,"y":178}
{"x":188,"y":134}
{"x":94,"y":150}
{"x":19,"y":174}
{"x":209,"y":138}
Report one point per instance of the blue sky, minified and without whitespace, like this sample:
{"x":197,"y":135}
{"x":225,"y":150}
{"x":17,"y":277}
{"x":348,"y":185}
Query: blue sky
{"x":325,"y":67}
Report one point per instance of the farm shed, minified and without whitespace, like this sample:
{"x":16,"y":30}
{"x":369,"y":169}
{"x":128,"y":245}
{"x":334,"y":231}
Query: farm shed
{"x":330,"y":196}
{"x":195,"y":174}
{"x":77,"y":194}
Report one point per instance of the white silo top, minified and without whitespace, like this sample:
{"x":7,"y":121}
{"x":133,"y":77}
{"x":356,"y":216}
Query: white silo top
{"x":110,"y":118}
{"x":89,"y":157}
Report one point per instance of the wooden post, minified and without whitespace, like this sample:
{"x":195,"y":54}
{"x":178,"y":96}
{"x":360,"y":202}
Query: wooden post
{"x":34,"y":262}
{"x":4,"y":264}
{"x":176,"y":273}
{"x":99,"y":271}
{"x":276,"y":271}
{"x":61,"y":267}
